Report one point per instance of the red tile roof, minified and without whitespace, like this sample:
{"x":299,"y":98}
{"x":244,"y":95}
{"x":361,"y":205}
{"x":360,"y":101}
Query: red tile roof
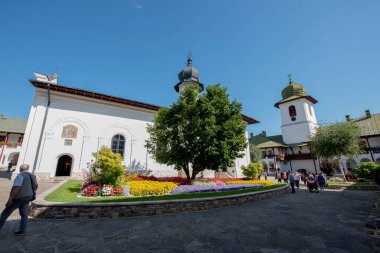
{"x":104,"y":97}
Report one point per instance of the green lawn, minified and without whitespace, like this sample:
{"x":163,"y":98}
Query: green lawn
{"x":68,"y":192}
{"x":351,"y":183}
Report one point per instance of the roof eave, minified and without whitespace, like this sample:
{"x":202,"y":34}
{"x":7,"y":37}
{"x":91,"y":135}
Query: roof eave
{"x":310,"y":98}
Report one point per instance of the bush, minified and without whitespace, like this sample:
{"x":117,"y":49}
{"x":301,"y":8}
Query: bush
{"x":253,"y":170}
{"x":367,"y":170}
{"x":107,"y":168}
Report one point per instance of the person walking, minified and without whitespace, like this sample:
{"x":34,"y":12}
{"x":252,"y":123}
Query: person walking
{"x":297,"y":179}
{"x":10,"y":165}
{"x":278,"y":175}
{"x":321,"y":181}
{"x":22,"y":192}
{"x":291,"y":180}
{"x":285,"y":177}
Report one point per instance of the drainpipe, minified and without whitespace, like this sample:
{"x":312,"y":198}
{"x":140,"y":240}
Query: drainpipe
{"x":42,"y":130}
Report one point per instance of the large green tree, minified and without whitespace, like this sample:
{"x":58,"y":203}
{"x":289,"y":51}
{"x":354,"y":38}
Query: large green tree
{"x":198,"y":131}
{"x":337,"y":139}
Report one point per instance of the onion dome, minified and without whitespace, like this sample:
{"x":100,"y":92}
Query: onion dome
{"x":189,"y":73}
{"x":293,"y":89}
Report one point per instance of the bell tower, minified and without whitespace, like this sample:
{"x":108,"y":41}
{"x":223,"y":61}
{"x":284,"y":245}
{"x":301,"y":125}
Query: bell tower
{"x":189,"y":76}
{"x":297,"y":114}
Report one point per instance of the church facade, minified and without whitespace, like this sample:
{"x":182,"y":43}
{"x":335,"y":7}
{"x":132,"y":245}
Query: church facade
{"x":66,"y":125}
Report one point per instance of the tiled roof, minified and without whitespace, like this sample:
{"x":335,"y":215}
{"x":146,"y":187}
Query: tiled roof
{"x":12,"y":125}
{"x":369,"y":125}
{"x":109,"y":98}
{"x":274,"y":141}
{"x":262,"y":141}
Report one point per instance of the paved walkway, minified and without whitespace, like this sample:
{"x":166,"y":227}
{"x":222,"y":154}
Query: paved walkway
{"x":331,"y":221}
{"x":6,"y":185}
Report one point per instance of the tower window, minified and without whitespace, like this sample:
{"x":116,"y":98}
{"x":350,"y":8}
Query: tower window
{"x":118,"y":144}
{"x":292,"y":111}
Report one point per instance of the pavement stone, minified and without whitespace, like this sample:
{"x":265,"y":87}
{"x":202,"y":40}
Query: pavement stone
{"x":331,"y":221}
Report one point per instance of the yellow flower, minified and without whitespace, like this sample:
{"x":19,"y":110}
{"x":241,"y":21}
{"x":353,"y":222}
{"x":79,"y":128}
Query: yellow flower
{"x":147,"y":187}
{"x":262,"y":182}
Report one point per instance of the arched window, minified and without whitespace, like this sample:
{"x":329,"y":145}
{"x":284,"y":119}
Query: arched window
{"x":118,"y":144}
{"x":292,"y":111}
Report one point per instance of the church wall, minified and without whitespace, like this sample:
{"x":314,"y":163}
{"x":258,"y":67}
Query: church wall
{"x":96,"y":123}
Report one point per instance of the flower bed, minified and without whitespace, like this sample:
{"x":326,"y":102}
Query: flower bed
{"x":192,"y":188}
{"x":261,"y":182}
{"x":148,"y":187}
{"x":178,"y":180}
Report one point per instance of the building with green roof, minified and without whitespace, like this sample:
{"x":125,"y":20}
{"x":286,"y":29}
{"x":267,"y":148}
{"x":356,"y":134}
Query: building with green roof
{"x":11,"y":136}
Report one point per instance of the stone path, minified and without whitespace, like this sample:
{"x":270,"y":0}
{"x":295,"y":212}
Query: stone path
{"x":6,"y":184}
{"x":331,"y":221}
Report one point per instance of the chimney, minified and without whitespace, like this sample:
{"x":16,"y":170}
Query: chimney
{"x":348,"y":118}
{"x":368,"y":113}
{"x":264,"y":133}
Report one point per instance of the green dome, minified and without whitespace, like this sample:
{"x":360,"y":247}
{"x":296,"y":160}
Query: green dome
{"x":293,"y":89}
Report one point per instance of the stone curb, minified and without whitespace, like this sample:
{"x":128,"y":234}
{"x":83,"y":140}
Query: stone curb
{"x":58,"y":210}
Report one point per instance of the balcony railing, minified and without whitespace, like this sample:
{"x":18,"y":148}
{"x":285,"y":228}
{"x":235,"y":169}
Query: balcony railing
{"x":299,"y":156}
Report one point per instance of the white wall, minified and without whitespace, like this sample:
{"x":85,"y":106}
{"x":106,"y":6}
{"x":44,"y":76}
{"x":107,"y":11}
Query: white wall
{"x":303,"y":127}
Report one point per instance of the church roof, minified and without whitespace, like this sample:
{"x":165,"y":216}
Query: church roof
{"x":99,"y":96}
{"x":369,"y":124}
{"x":12,"y":125}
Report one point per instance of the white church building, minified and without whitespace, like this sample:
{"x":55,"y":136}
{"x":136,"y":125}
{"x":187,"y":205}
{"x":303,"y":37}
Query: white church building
{"x":66,"y":125}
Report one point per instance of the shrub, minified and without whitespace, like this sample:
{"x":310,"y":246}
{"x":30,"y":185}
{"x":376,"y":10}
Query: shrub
{"x":147,"y":188}
{"x":253,"y":170}
{"x":107,"y":168}
{"x":367,"y":170}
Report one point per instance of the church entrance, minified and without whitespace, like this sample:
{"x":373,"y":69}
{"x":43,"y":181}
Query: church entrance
{"x":64,"y":166}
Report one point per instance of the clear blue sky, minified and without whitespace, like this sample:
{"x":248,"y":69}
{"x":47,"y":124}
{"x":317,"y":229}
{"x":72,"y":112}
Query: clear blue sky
{"x":135,"y":49}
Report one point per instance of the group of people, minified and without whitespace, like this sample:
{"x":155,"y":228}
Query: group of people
{"x":311,"y":180}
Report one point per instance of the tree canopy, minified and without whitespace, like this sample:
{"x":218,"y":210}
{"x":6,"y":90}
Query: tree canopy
{"x":255,"y":153}
{"x":205,"y":131}
{"x":337,"y":139}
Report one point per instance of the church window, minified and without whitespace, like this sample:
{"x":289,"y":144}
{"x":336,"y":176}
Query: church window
{"x":118,"y":144}
{"x":292,"y":111}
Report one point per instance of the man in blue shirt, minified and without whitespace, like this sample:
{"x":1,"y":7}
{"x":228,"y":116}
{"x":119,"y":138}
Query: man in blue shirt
{"x":23,"y":189}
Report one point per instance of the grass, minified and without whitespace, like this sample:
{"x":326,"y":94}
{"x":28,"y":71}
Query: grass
{"x":68,"y":192}
{"x":351,"y":183}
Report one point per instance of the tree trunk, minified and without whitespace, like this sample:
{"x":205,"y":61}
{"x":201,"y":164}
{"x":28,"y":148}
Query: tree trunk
{"x":186,"y":169}
{"x":340,"y":164}
{"x":193,"y":174}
